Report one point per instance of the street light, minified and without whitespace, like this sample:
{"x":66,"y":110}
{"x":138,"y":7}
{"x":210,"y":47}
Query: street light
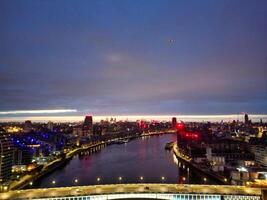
{"x":98,"y":179}
{"x":53,"y":182}
{"x":31,"y":183}
{"x":141,"y":178}
{"x":162,"y":178}
{"x":120,"y":178}
{"x":225,"y":179}
{"x":76,"y":180}
{"x":204,"y":179}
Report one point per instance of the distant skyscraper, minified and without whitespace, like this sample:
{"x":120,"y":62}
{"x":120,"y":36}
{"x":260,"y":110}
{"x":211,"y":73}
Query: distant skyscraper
{"x":246,"y":119}
{"x":174,"y":122}
{"x":6,"y":156}
{"x":88,"y":126}
{"x":50,"y":125}
{"x":88,"y":121}
{"x":27,"y":126}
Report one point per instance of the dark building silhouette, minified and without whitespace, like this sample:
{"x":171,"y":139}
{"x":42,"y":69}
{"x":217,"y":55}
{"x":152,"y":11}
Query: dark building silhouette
{"x":28,"y":126}
{"x":22,"y":156}
{"x":88,"y":121}
{"x":246,"y":119}
{"x":6,"y":156}
{"x":174,"y":122}
{"x":87,"y":128}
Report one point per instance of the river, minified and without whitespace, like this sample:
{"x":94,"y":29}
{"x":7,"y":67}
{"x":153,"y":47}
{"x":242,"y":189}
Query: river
{"x":142,"y":160}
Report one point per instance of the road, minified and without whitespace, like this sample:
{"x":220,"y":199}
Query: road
{"x":130,"y":188}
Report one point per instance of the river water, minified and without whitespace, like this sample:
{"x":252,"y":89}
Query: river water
{"x":142,"y":160}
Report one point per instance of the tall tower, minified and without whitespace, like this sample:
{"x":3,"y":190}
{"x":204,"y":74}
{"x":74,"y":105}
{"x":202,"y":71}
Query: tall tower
{"x":246,"y":119}
{"x":50,"y":126}
{"x":174,"y":122}
{"x":6,"y":156}
{"x":88,"y":126}
{"x":88,"y":121}
{"x":28,"y":126}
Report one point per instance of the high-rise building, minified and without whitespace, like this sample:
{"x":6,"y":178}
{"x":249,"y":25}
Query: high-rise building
{"x":246,"y":119}
{"x":6,"y":156}
{"x":174,"y":122}
{"x":88,"y":126}
{"x":28,"y":126}
{"x":50,"y":126}
{"x":260,"y":152}
{"x":22,"y":156}
{"x":88,"y":121}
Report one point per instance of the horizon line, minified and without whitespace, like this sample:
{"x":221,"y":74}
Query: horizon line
{"x":186,"y":117}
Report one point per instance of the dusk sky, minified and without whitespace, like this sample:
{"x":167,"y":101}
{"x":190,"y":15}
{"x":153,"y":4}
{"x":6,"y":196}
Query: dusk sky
{"x":134,"y":56}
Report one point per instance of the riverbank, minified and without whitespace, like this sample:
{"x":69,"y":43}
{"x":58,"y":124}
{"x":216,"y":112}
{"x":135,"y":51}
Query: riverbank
{"x":28,"y":180}
{"x":208,"y":174}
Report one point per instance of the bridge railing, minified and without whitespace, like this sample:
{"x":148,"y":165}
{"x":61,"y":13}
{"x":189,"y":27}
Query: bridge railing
{"x":172,"y":191}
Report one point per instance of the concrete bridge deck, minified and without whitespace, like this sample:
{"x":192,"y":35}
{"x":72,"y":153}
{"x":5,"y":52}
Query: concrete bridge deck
{"x":136,"y":191}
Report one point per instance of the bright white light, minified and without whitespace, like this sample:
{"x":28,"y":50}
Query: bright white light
{"x":242,"y":169}
{"x":15,"y":112}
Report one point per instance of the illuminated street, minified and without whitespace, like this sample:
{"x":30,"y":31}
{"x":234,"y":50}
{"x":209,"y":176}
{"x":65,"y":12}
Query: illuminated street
{"x":130,"y":188}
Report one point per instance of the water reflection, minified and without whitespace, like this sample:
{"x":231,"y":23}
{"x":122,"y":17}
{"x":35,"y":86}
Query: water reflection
{"x":141,"y":160}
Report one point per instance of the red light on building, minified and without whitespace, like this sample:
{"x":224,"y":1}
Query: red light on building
{"x":180,"y":126}
{"x":195,"y":136}
{"x":190,"y":135}
{"x":142,"y":125}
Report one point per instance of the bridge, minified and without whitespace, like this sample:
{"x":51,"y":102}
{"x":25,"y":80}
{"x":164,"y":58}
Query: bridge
{"x":140,"y":191}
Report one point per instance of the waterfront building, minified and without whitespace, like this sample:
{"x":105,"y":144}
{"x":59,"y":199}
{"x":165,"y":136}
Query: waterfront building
{"x":232,"y":150}
{"x":6,"y":156}
{"x":22,"y":156}
{"x":260,"y":152}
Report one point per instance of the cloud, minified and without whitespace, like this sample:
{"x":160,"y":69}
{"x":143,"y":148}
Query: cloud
{"x":115,"y":58}
{"x":15,"y":112}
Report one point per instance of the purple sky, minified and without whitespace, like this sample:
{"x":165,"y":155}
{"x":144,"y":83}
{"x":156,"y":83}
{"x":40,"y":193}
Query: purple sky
{"x":114,"y":57}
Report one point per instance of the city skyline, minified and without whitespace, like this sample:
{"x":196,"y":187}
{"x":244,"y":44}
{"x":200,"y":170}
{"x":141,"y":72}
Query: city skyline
{"x":133,"y":99}
{"x":133,"y":57}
